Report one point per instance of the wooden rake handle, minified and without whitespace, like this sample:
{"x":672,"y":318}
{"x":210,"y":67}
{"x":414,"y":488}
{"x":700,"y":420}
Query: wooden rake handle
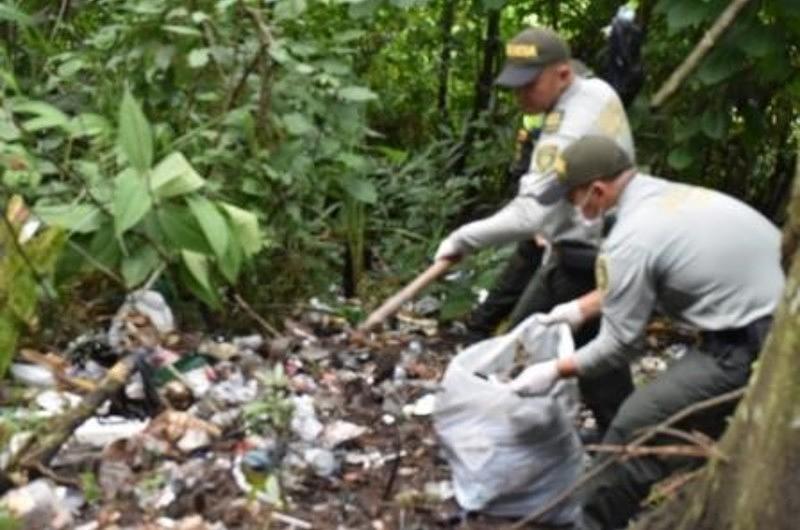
{"x":390,"y":306}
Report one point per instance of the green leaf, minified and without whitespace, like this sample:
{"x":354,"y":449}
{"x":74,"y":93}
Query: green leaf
{"x":685,"y":13}
{"x":245,"y":226}
{"x":131,"y":202}
{"x":680,"y":158}
{"x":198,"y":57}
{"x":758,"y":41}
{"x":88,"y":124}
{"x":199,"y":277}
{"x":173,"y":176}
{"x":12,"y":14}
{"x":79,"y":218}
{"x":289,"y":9}
{"x":181,"y":229}
{"x":296,"y":124}
{"x":138,"y":266}
{"x":135,"y":135}
{"x":183,"y":30}
{"x":104,"y":247}
{"x":714,"y":123}
{"x":212,"y":222}
{"x":719,"y":65}
{"x":231,"y":262}
{"x":360,"y":189}
{"x":47,"y":116}
{"x":357,"y":94}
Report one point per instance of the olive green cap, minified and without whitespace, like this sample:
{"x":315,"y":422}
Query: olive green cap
{"x":588,"y":159}
{"x":528,"y":53}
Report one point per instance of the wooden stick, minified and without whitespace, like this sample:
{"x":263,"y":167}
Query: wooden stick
{"x":666,"y":450}
{"x":700,"y":50}
{"x":45,"y":446}
{"x":407,"y":293}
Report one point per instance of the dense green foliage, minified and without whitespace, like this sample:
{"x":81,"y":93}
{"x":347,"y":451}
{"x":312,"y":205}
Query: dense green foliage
{"x":278,"y":147}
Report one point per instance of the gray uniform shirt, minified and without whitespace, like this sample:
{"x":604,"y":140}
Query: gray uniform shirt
{"x":588,"y":106}
{"x":699,"y":256}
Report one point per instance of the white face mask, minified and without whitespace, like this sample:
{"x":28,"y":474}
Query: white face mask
{"x":580,"y":219}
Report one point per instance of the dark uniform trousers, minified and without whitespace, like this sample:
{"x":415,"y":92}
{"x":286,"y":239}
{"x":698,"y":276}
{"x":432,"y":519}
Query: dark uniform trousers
{"x":562,"y":279}
{"x":719,"y":364}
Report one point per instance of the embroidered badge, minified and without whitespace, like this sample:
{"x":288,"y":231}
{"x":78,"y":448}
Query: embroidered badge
{"x":552,"y":121}
{"x":521,"y":51}
{"x":601,"y":274}
{"x":546,"y":157}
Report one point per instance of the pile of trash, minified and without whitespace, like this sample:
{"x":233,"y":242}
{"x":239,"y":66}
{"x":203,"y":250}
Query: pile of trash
{"x":141,"y":425}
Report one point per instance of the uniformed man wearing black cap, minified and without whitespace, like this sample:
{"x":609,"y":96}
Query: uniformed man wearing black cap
{"x":539,"y":71}
{"x":702,"y":258}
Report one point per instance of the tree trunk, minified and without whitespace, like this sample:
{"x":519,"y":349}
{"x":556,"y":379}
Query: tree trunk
{"x":758,"y":486}
{"x":483,"y":90}
{"x":446,"y":26}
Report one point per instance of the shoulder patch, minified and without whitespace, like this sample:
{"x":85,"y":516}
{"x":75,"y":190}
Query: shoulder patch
{"x":552,"y":121}
{"x":546,"y":156}
{"x":601,"y":274}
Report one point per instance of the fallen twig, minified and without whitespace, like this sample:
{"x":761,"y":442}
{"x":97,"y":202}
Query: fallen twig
{"x":255,"y":316}
{"x":44,"y":447}
{"x":650,"y":433}
{"x":665,"y":450}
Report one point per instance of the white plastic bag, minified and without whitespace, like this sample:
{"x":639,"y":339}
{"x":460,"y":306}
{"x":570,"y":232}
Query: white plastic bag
{"x":510,"y":454}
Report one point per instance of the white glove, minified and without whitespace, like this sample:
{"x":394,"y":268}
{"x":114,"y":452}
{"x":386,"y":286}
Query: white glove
{"x":449,"y":249}
{"x":536,"y":379}
{"x":569,"y":312}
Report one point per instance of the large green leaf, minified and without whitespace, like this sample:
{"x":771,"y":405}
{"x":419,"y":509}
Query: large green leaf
{"x":47,"y":116}
{"x":720,"y":64}
{"x":360,"y":189}
{"x":212,"y":222}
{"x":80,"y":218}
{"x":181,"y":229}
{"x":357,"y":93}
{"x":245,"y":225}
{"x":714,"y":123}
{"x":173,"y":176}
{"x":289,"y":9}
{"x":680,"y":158}
{"x":297,"y":124}
{"x":12,"y":14}
{"x":131,"y":201}
{"x":135,"y":135}
{"x":198,"y":277}
{"x":88,"y":124}
{"x":685,"y":13}
{"x":138,"y":265}
{"x":104,"y":247}
{"x":231,"y":262}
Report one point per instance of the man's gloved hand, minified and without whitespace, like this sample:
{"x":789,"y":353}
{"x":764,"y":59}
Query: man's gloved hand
{"x":536,"y":379}
{"x":449,"y":249}
{"x":569,"y":312}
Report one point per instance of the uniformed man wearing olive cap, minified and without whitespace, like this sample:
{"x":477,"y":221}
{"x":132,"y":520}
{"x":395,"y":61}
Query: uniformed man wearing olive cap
{"x":699,"y":256}
{"x":538,"y":69}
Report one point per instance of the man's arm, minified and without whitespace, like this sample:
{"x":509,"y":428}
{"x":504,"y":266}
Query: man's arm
{"x":626,"y":308}
{"x":518,"y":220}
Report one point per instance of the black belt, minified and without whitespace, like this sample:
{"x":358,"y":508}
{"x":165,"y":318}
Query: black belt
{"x":751,"y":335}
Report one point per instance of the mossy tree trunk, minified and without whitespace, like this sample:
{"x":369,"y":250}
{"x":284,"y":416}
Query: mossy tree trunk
{"x":758,"y":486}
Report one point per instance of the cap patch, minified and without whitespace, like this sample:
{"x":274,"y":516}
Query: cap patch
{"x":553,"y":121}
{"x":545,"y":157}
{"x":521,"y":51}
